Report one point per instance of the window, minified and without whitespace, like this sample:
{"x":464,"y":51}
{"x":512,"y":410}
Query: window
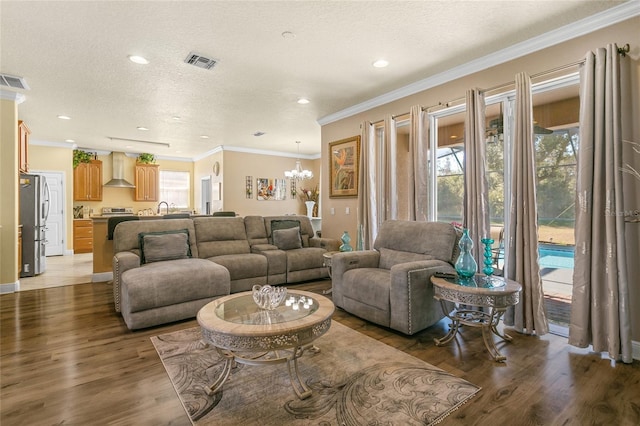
{"x":174,"y":188}
{"x":447,"y":143}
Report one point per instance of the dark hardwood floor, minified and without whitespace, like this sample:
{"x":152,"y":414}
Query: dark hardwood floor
{"x":67,"y":358}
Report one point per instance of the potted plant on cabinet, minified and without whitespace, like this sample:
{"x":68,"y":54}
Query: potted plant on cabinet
{"x":146,"y":158}
{"x":80,"y":156}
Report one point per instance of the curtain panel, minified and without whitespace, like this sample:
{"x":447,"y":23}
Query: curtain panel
{"x":522,"y":261}
{"x":389,"y":184}
{"x":419,"y":151}
{"x":367,"y":214}
{"x":476,"y":187}
{"x":600,"y":305}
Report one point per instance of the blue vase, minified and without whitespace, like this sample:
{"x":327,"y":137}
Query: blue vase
{"x":488,"y":257}
{"x":346,"y":239}
{"x":466,"y":265}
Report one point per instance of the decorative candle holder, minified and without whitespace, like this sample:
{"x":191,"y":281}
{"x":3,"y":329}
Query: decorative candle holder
{"x":488,"y":257}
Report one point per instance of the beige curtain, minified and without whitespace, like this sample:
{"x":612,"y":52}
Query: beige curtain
{"x":522,"y":263}
{"x":600,"y":305}
{"x":476,"y":187}
{"x":367,"y":194}
{"x":419,"y":151}
{"x":389,"y":165}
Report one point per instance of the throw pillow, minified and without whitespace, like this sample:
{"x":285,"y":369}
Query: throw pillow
{"x":287,"y":239}
{"x":164,"y":245}
{"x":283,"y":224}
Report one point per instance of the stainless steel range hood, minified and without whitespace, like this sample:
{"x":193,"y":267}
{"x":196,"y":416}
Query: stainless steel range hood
{"x":117,"y":167}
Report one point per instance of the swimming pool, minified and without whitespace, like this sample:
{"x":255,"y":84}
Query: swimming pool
{"x":552,"y":256}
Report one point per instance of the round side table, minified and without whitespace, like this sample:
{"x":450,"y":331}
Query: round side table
{"x":495,"y":294}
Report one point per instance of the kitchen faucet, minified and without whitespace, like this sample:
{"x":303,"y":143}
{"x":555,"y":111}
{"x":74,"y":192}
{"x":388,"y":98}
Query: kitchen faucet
{"x":161,"y":203}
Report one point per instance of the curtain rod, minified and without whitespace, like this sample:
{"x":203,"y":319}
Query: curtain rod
{"x":621,"y":51}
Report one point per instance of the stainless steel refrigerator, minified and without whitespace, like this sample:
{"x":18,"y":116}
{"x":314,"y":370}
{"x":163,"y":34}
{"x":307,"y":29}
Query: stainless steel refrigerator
{"x":34,"y":210}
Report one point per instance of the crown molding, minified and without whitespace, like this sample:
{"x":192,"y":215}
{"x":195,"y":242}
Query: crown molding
{"x":39,"y":142}
{"x":576,"y":29}
{"x":222,"y":148}
{"x":9,"y":95}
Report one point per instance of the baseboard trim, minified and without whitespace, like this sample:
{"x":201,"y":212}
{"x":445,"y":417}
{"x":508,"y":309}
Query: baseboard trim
{"x":68,"y":253}
{"x":636,"y":350}
{"x":6,"y":288}
{"x":99,"y":277}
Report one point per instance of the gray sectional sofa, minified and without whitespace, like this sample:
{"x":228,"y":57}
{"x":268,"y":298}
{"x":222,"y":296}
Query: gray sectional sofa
{"x":166,"y":270}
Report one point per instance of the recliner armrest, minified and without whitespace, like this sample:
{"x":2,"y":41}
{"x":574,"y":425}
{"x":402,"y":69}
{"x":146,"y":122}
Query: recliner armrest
{"x":122,"y":261}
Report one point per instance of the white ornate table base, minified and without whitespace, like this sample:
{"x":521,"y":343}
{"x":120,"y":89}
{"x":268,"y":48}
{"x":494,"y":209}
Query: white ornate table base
{"x":495,"y":300}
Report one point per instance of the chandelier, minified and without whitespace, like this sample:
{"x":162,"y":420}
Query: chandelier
{"x":298,"y":173}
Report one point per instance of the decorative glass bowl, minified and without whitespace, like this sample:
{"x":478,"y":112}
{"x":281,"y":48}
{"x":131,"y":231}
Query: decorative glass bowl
{"x":267,"y":297}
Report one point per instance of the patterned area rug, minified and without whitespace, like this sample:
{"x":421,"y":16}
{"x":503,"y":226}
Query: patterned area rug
{"x":355,"y":379}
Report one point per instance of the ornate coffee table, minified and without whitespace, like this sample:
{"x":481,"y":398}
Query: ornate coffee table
{"x":242,"y":332}
{"x":495,"y":294}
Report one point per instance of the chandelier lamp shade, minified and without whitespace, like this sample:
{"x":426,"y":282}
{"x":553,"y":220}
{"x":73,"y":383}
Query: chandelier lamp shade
{"x":298,"y":173}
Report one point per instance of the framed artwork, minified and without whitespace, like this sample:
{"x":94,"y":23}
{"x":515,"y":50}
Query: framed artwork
{"x":344,"y":160}
{"x":271,"y":189}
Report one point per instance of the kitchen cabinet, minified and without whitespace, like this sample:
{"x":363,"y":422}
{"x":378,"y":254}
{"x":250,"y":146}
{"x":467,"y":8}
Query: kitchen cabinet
{"x":147,"y":182}
{"x":82,"y":236}
{"x":87,"y":181}
{"x":23,"y":147}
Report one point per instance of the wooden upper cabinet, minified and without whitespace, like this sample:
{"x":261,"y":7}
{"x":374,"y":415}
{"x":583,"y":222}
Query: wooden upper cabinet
{"x":87,"y":181}
{"x":147,"y":182}
{"x":23,"y":147}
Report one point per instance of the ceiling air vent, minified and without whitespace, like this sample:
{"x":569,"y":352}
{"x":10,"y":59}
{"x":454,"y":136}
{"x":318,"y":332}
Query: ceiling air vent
{"x":13,"y":81}
{"x":200,"y":61}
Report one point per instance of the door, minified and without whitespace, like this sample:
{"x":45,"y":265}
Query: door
{"x":55,"y":229}
{"x":205,"y":186}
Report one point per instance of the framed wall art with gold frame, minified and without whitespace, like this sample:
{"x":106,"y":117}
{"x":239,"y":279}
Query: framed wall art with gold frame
{"x":344,"y":158}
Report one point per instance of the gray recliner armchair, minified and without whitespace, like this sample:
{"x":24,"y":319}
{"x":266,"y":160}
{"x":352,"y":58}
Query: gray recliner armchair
{"x":391,"y":284}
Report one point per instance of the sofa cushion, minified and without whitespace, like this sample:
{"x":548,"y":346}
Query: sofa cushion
{"x":164,"y":245}
{"x":368,"y":286}
{"x":389,"y":257}
{"x":241,"y":266}
{"x":172,"y":282}
{"x":287,"y":239}
{"x":435,"y":239}
{"x":305,"y":258}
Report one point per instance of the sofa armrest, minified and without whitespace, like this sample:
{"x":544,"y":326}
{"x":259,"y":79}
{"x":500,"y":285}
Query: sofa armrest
{"x":329,"y":244}
{"x":259,"y":248}
{"x":411,"y":295}
{"x":342,"y":262}
{"x":122,"y":261}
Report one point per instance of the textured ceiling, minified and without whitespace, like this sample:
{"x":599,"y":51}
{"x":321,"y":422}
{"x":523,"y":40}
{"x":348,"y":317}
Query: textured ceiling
{"x":73,"y":56}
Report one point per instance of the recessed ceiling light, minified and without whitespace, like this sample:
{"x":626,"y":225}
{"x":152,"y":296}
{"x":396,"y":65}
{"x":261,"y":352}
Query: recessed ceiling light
{"x":204,"y":137}
{"x":64,"y":117}
{"x":70,"y":140}
{"x":175,"y":117}
{"x":138,"y":60}
{"x":303,"y":101}
{"x":129,"y":146}
{"x":144,"y":129}
{"x":380,"y":63}
{"x":288,"y":35}
{"x":178,"y":152}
